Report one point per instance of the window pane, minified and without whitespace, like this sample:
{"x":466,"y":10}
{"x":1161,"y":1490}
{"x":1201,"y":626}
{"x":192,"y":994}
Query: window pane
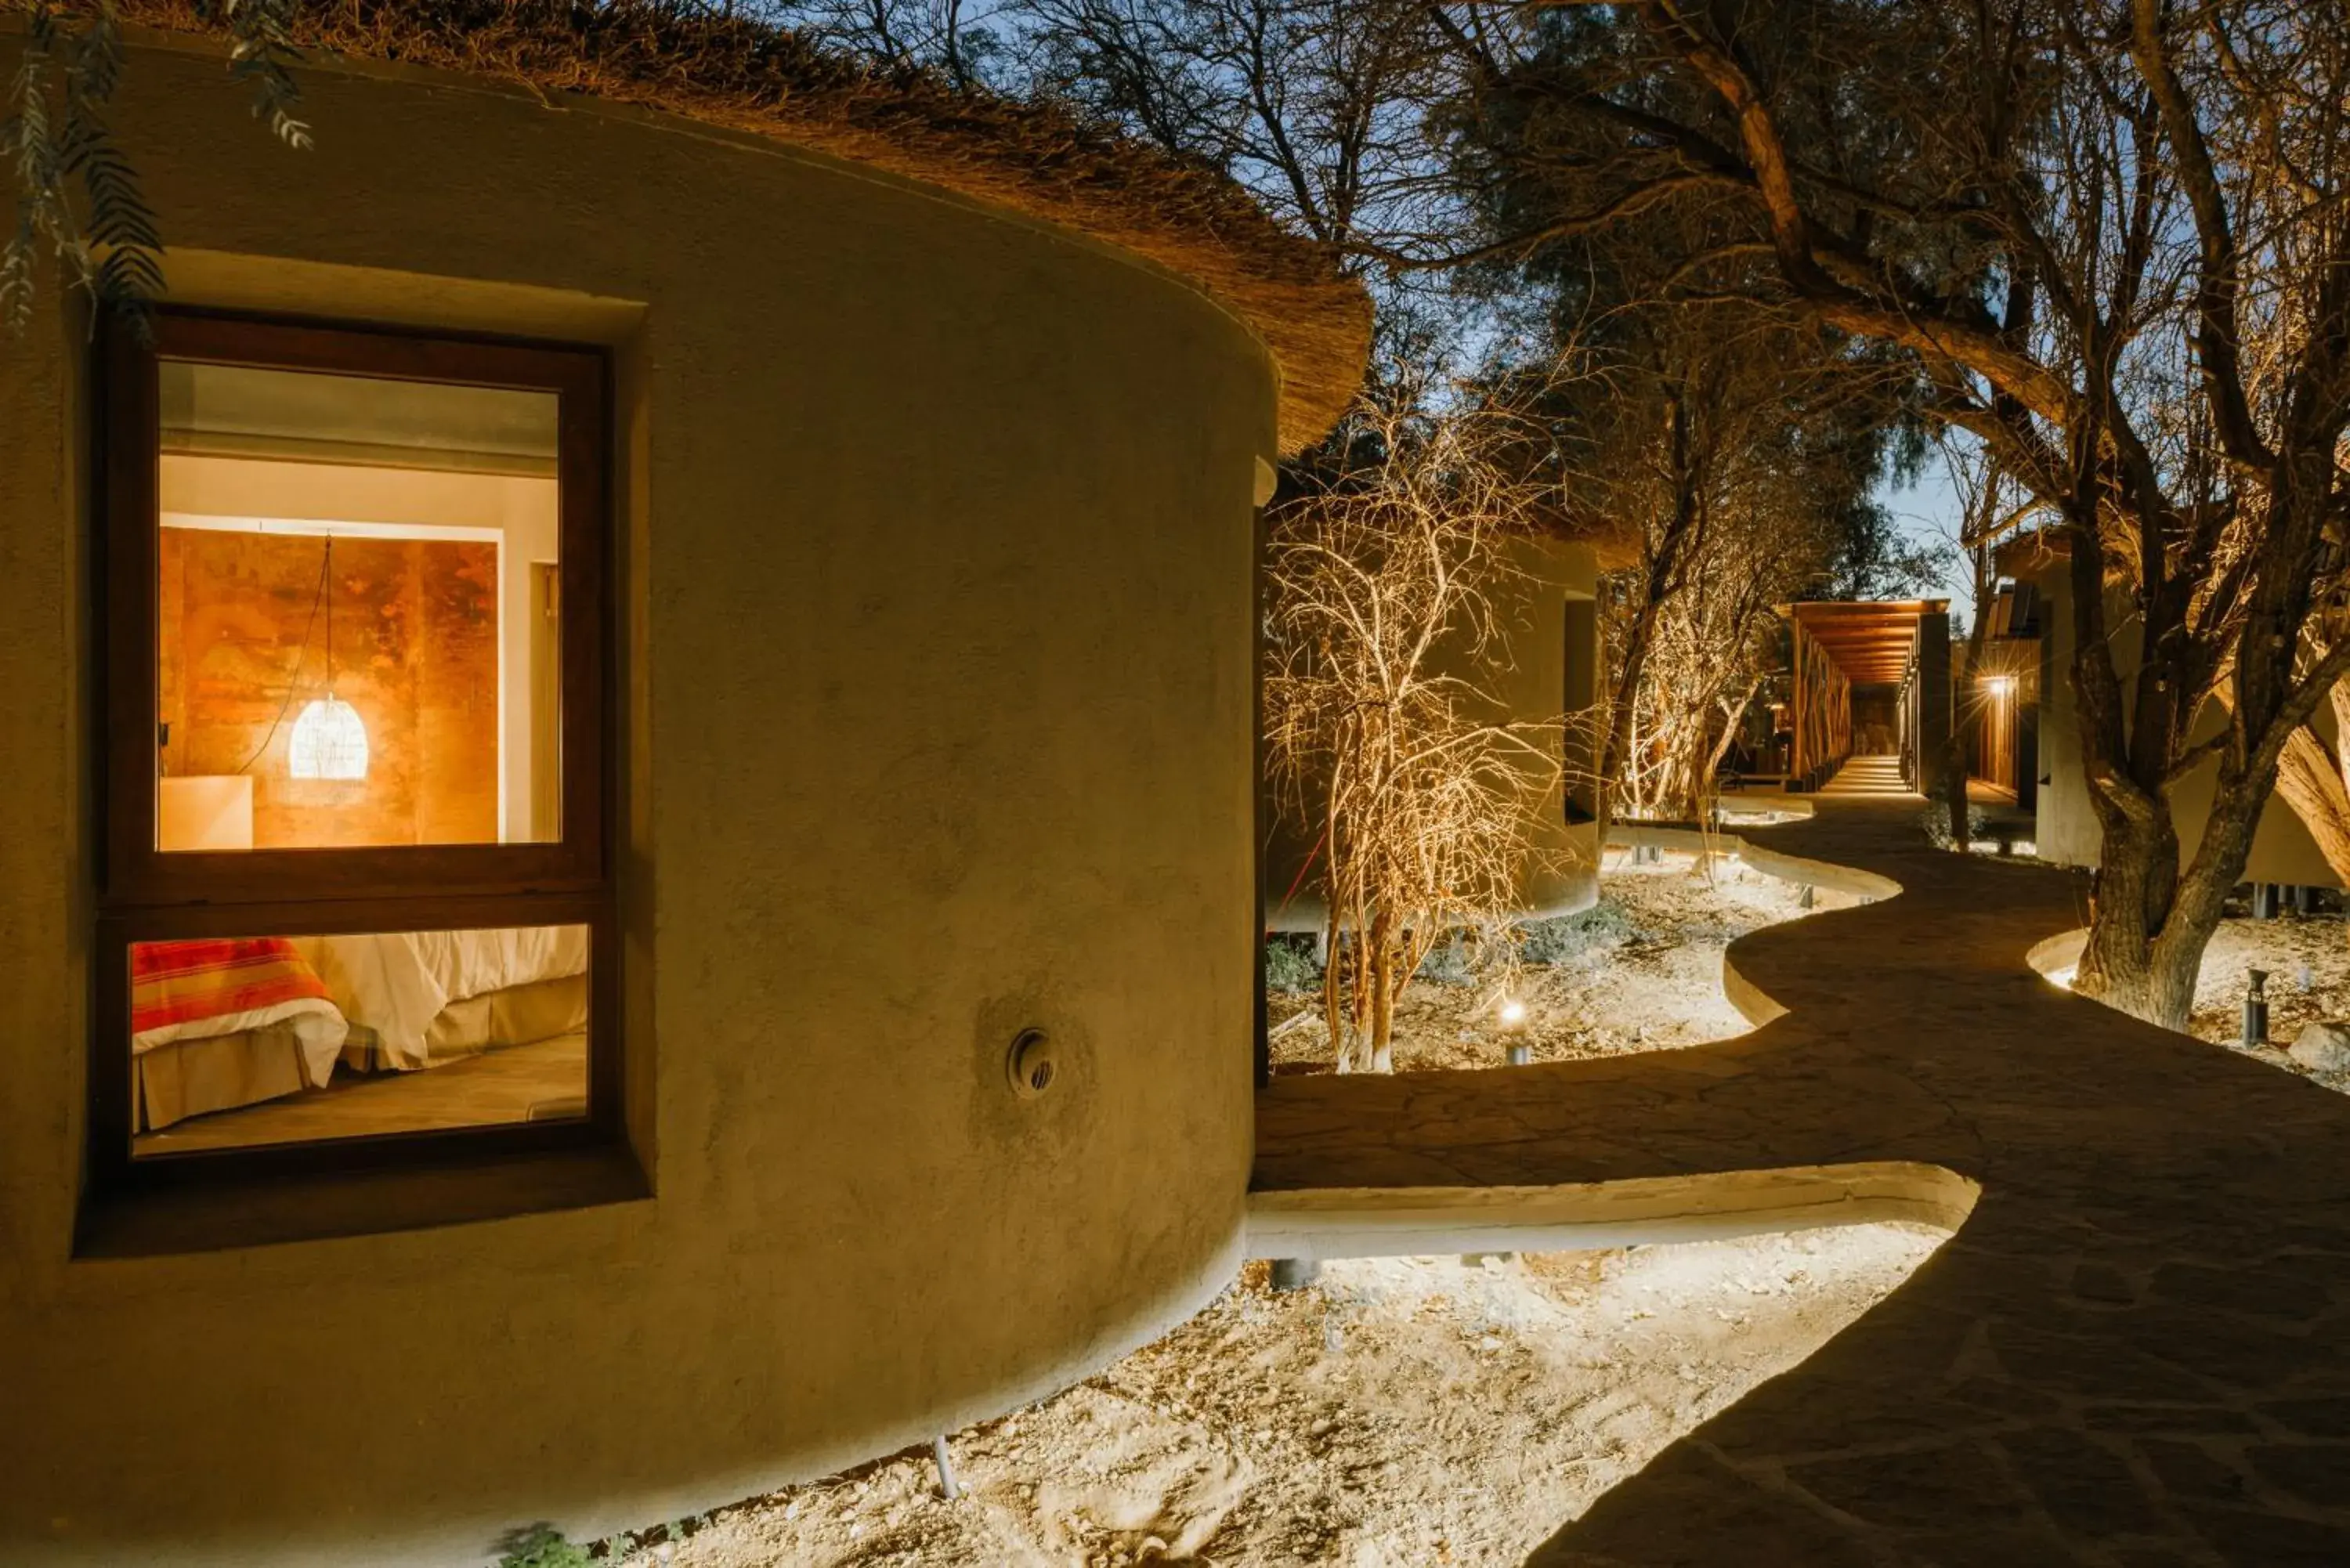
{"x":240,"y":1042}
{"x":358,"y":618}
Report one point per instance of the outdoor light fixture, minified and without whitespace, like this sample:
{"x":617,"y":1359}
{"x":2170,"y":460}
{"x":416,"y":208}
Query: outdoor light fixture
{"x":1999,"y":685}
{"x":330,"y":742}
{"x":1513,"y":1020}
{"x":2256,"y":1008}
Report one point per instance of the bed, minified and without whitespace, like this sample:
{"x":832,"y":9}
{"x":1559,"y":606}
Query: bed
{"x":224,"y":1023}
{"x":220,"y":1024}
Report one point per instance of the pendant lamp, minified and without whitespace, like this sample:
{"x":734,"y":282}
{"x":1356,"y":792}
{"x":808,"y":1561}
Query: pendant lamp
{"x":329,"y":741}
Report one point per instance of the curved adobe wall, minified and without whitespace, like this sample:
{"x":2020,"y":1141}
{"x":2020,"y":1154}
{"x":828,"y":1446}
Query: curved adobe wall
{"x":937,"y":691}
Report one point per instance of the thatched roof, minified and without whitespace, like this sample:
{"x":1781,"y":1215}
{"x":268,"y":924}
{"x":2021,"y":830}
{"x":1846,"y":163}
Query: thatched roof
{"x":1039,"y":160}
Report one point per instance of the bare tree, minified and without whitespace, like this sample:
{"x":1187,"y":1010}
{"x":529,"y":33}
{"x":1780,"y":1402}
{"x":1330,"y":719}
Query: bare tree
{"x":1381,"y":731}
{"x":2113,"y":237}
{"x":1712,"y":645}
{"x":962,"y":42}
{"x":1729,"y":456}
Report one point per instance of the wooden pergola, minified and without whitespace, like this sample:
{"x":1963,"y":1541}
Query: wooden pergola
{"x":1872,"y":641}
{"x":1840,"y":644}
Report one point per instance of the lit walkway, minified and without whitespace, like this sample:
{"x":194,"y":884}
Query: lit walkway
{"x":2135,"y":1352}
{"x":1867,"y":776}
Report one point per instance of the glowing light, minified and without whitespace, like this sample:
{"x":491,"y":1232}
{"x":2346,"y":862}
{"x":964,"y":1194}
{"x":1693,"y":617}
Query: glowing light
{"x":330,"y":742}
{"x":1513,"y":1012}
{"x":1999,"y":685}
{"x":2061,"y":978}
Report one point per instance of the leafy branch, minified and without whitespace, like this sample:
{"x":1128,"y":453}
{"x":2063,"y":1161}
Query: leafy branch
{"x":78,"y":197}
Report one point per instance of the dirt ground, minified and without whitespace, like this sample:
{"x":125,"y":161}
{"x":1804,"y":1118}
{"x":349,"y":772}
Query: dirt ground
{"x":2307,"y":957}
{"x":1642,"y":972}
{"x":1403,"y":1413}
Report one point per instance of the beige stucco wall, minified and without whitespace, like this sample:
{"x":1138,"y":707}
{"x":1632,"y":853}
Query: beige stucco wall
{"x":1527,"y":671}
{"x":1540,"y":684}
{"x":2067,"y":828}
{"x":937,"y":712}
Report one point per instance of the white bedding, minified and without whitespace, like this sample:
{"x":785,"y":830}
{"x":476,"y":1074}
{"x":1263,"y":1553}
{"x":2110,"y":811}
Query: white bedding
{"x":318,"y":1027}
{"x":396,"y":984}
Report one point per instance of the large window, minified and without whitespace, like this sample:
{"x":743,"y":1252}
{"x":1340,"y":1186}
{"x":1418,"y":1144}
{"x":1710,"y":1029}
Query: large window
{"x":355,"y":896}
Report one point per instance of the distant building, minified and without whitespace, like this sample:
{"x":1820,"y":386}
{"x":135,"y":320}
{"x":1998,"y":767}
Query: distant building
{"x":2065,"y":824}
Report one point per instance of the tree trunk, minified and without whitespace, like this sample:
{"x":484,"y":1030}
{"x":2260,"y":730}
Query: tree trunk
{"x":1333,"y":987}
{"x":2149,"y":922}
{"x":1954,"y":792}
{"x":1954,"y":747}
{"x":1661,"y":578}
{"x":2136,"y":865}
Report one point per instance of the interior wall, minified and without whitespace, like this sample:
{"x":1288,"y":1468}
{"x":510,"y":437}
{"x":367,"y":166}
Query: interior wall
{"x":415,"y":652}
{"x":936,"y":675}
{"x":520,"y":512}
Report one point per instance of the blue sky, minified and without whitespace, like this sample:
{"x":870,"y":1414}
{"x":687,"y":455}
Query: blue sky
{"x":1929,"y":510}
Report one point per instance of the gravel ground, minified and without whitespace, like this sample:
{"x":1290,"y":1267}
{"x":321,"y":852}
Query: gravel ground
{"x":2307,"y":957}
{"x":1644,"y":974}
{"x":1403,"y":1413}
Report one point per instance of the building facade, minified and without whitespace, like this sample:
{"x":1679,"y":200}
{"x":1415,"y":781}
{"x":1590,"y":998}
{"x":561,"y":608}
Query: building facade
{"x":914,"y":539}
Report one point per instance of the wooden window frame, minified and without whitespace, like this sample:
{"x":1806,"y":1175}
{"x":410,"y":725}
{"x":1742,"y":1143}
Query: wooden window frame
{"x":145,"y":893}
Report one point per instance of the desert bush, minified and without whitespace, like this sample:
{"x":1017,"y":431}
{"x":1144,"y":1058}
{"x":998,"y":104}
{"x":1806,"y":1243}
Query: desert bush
{"x":540,"y":1546}
{"x":1379,"y":737}
{"x":1566,"y":937}
{"x":1289,"y":965}
{"x":1936,"y":820}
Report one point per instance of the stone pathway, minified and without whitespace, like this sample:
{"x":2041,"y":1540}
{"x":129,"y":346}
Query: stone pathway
{"x":2135,"y":1352}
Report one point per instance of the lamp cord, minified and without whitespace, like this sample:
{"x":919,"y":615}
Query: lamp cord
{"x":293,"y":682}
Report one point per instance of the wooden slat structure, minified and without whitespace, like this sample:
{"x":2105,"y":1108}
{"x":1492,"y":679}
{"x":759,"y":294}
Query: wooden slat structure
{"x":1872,"y":641}
{"x":1821,"y":694}
{"x":1839,"y":645}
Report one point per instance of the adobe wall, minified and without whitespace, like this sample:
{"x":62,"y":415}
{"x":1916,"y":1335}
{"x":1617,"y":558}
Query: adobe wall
{"x":1534,"y":677}
{"x":936,"y":535}
{"x":2066,"y":826}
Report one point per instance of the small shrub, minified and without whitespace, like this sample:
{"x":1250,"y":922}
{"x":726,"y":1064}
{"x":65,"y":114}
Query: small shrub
{"x":540,"y":1546}
{"x":1568,"y":937}
{"x":1936,"y":819}
{"x":1289,"y":965}
{"x":1453,"y":961}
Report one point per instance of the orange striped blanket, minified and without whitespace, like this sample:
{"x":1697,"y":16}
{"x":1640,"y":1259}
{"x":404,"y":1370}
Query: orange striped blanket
{"x":190,"y":989}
